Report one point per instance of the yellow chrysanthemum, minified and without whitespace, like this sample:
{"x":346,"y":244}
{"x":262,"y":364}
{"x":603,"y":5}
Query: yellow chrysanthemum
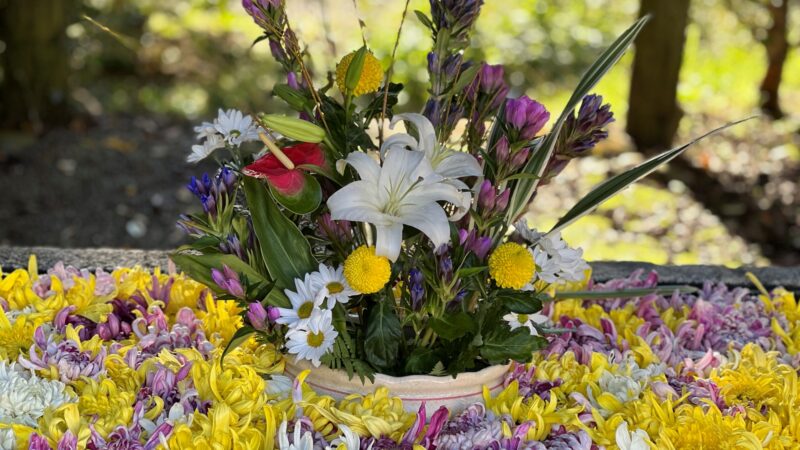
{"x":377,"y":414}
{"x":221,"y":319}
{"x":106,"y":403}
{"x":220,"y":428}
{"x":15,"y":338}
{"x":365,"y":271}
{"x":371,"y":74}
{"x":511,"y":265}
{"x":238,"y":386}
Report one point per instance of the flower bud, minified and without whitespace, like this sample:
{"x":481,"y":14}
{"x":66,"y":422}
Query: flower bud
{"x":294,"y":128}
{"x":257,"y":316}
{"x":486,"y":196}
{"x":502,"y":200}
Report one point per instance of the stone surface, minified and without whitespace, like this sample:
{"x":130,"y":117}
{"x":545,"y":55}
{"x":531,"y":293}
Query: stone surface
{"x":108,"y":258}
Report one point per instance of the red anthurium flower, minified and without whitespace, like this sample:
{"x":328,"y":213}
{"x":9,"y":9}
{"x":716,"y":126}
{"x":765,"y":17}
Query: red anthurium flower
{"x":287,"y":178}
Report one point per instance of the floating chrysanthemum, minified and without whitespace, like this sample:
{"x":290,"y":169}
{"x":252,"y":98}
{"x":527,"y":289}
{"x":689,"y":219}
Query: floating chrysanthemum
{"x":365,"y":271}
{"x":511,"y":265}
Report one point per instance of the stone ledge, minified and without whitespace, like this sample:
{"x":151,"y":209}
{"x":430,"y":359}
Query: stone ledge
{"x":109,"y":258}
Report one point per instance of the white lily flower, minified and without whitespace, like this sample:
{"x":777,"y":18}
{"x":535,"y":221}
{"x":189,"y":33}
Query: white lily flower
{"x":403,"y":191}
{"x":449,"y":164}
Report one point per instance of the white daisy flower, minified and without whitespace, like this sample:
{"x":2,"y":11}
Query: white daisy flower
{"x":205,"y":130}
{"x":204,"y":150}
{"x":555,"y":261}
{"x":525,"y":320}
{"x":332,"y":284}
{"x":235,"y":127}
{"x":305,"y":299}
{"x":314,"y":338}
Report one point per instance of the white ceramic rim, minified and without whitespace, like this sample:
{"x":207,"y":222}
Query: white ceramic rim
{"x":407,"y":388}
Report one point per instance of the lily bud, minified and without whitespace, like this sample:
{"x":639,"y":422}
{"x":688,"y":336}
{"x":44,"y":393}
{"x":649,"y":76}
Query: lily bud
{"x":294,"y":128}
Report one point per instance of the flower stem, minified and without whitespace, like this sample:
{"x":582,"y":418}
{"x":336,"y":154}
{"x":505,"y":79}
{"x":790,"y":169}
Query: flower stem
{"x":276,"y":151}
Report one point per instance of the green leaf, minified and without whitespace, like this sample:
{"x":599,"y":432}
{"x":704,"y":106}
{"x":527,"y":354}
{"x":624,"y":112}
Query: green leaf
{"x":199,"y":267}
{"x":536,"y":165}
{"x":382,"y":340}
{"x":421,"y":361}
{"x":464,"y":79}
{"x":466,"y":272}
{"x":284,"y":249}
{"x":617,"y":183}
{"x":625,"y":293}
{"x":453,"y":326}
{"x":503,"y":344}
{"x":424,"y":19}
{"x":520,"y":302}
{"x":240,"y":337}
{"x":354,"y":70}
{"x":305,"y":200}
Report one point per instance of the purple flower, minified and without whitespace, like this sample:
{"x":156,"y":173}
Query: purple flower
{"x":228,"y":280}
{"x":257,"y":316}
{"x":525,"y":116}
{"x":337,"y":231}
{"x":65,"y":357}
{"x":455,"y":15}
{"x":416,"y":286}
{"x":474,"y":428}
{"x":472,"y":242}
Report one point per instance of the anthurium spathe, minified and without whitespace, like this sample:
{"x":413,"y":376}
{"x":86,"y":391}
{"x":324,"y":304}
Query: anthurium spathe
{"x":403,"y":191}
{"x":286,"y":172}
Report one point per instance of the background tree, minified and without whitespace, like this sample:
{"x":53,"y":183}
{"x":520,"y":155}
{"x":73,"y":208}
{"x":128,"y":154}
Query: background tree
{"x":36,"y":71}
{"x":768,"y":20}
{"x":653,"y":112}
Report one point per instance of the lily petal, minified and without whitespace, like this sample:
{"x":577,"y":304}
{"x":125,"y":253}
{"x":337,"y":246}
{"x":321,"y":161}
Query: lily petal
{"x":427,"y":135}
{"x":431,"y":220}
{"x":357,"y":202}
{"x":459,"y":164}
{"x":367,"y":168}
{"x":388,"y":240}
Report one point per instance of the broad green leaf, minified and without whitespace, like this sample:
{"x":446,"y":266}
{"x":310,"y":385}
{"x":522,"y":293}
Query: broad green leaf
{"x":382,"y":340}
{"x":520,"y":302}
{"x":284,"y":249}
{"x":199,"y":267}
{"x":305,"y":200}
{"x":617,"y":183}
{"x":625,"y":293}
{"x":536,"y":165}
{"x":421,"y":361}
{"x":240,"y":337}
{"x":454,"y":326}
{"x":503,"y":344}
{"x":354,"y":70}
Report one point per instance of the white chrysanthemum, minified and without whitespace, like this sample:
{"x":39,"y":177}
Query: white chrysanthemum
{"x":235,"y":127}
{"x":8,"y":440}
{"x":204,"y":150}
{"x":314,"y":338}
{"x":24,"y":396}
{"x":305,"y":299}
{"x":331,"y":284}
{"x":300,"y":441}
{"x":555,"y":261}
{"x":525,"y":320}
{"x":626,"y":440}
{"x":349,"y":440}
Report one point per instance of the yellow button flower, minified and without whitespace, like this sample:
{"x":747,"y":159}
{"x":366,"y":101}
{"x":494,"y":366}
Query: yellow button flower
{"x":371,"y":74}
{"x":366,"y":272}
{"x":511,"y":266}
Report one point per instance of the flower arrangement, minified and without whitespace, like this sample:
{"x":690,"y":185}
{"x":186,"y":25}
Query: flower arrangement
{"x":131,"y":359}
{"x":399,"y":254}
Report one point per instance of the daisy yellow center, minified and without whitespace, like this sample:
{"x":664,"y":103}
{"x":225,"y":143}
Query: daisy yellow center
{"x":334,"y":287}
{"x":304,"y":311}
{"x":511,"y":266}
{"x":315,"y":339}
{"x":366,"y":272}
{"x":522,"y":318}
{"x":371,"y":74}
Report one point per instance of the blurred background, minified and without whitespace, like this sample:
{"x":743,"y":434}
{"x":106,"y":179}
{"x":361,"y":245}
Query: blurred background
{"x":98,"y":99}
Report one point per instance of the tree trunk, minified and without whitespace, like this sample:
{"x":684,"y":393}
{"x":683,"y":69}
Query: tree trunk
{"x":34,"y":88}
{"x":777,"y":47}
{"x":653,"y":112}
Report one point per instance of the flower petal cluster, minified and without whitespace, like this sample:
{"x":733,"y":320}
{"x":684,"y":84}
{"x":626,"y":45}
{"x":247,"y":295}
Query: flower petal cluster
{"x":402,"y":191}
{"x":231,"y":127}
